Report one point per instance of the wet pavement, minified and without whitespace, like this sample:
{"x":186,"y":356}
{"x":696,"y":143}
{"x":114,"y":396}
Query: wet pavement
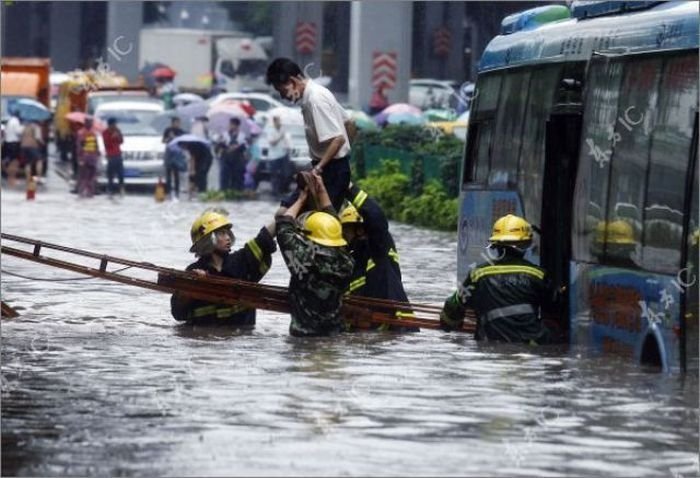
{"x":98,"y":379}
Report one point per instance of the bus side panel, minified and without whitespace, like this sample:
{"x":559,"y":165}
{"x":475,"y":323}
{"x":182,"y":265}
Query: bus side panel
{"x":615,"y":310}
{"x":478,"y":211}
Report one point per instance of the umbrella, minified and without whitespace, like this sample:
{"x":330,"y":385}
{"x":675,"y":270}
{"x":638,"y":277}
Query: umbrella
{"x":163,"y":72}
{"x":401,"y":108}
{"x":252,"y":127}
{"x":192,"y":111}
{"x":439,"y":115}
{"x":30,"y":110}
{"x":220,"y":115}
{"x":242,"y":104}
{"x":189,"y":138}
{"x":286,"y":115}
{"x":362,"y":120}
{"x":80,"y":117}
{"x":147,"y":71}
{"x":405,"y":118}
{"x":187,"y":98}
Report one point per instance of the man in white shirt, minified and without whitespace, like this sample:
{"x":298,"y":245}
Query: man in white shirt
{"x":280,"y":147}
{"x":11,"y":146}
{"x":325,"y":122}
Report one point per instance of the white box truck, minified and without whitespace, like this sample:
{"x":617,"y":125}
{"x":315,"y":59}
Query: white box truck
{"x":233,"y":60}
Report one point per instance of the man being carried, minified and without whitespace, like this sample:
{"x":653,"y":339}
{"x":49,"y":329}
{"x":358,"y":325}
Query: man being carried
{"x":326,"y":127}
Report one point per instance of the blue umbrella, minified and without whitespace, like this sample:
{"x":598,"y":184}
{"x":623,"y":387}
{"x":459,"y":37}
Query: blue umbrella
{"x":30,"y":110}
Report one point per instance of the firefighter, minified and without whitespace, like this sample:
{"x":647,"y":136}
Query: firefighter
{"x":212,"y":239}
{"x":506,"y":293}
{"x":615,"y":244}
{"x":377,"y":273}
{"x":318,"y":260}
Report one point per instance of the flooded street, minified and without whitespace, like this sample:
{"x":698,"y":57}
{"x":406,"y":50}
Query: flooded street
{"x":98,"y":379}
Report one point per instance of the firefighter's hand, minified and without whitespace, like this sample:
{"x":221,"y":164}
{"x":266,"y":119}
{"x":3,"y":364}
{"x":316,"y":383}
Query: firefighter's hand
{"x":200,"y":272}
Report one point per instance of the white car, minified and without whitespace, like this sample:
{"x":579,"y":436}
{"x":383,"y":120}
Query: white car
{"x":142,"y":150}
{"x":95,"y":99}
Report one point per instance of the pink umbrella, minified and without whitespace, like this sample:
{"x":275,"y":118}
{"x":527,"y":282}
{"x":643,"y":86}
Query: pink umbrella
{"x":80,"y":117}
{"x":402,"y":108}
{"x":220,"y":116}
{"x":252,"y":127}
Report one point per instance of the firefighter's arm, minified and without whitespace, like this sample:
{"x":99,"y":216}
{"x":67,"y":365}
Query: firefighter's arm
{"x":180,"y":306}
{"x":255,"y":258}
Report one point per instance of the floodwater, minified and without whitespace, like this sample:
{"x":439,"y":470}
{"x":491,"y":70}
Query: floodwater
{"x":98,"y":379}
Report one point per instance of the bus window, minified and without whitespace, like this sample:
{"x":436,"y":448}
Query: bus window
{"x":478,"y":152}
{"x":630,"y":135}
{"x":486,"y":96}
{"x":670,"y":150}
{"x":600,"y":111}
{"x":509,"y":128}
{"x":542,"y":88}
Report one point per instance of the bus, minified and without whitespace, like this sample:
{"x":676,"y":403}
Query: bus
{"x":585,"y":122}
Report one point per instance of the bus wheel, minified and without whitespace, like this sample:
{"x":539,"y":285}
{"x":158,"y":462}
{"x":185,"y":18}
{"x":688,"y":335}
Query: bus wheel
{"x":651,"y":355}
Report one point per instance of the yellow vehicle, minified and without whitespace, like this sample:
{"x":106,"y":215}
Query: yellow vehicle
{"x":73,"y":96}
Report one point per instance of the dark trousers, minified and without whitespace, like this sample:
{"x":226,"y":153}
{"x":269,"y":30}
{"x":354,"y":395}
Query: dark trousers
{"x":336,"y":178}
{"x":171,"y":170}
{"x":115,"y":167}
{"x":280,"y":174}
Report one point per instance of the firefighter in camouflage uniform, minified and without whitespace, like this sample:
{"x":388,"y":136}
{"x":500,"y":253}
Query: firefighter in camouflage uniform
{"x":318,"y":260}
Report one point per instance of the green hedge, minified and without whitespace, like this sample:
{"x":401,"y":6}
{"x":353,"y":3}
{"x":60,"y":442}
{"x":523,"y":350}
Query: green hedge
{"x":424,"y":154}
{"x":430,"y":207}
{"x":413,"y":172}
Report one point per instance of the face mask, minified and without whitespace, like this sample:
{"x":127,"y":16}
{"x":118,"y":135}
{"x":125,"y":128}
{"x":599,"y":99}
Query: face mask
{"x":291,"y":93}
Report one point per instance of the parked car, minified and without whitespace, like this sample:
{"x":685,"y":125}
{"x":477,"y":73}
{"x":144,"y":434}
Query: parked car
{"x":143,"y":151}
{"x":427,"y":93}
{"x":95,"y":99}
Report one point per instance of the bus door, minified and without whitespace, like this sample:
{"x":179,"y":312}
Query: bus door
{"x":562,"y":142}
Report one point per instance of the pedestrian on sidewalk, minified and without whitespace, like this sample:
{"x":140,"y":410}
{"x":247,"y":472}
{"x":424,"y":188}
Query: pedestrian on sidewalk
{"x":88,"y":156}
{"x":113,"y":139}
{"x":328,"y":128}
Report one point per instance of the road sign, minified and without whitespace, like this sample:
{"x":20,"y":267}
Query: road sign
{"x":305,"y":37}
{"x":384,"y":66}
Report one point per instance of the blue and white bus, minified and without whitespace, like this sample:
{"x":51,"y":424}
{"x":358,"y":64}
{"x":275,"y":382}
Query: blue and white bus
{"x":585,"y":122}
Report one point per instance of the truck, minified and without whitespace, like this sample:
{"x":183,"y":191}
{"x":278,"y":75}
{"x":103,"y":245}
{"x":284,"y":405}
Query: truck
{"x":230,"y":60}
{"x":27,"y":77}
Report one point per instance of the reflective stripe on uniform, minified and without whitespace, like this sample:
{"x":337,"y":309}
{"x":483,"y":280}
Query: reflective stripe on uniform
{"x":257,"y":252}
{"x":501,"y":312}
{"x":219,"y":312}
{"x":405,"y":315}
{"x":394,"y":255}
{"x":359,"y":200}
{"x":370,"y":265}
{"x":357,"y":283}
{"x":493,"y":270}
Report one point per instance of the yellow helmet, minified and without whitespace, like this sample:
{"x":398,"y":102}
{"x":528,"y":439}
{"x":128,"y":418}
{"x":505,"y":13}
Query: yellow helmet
{"x":208,"y":222}
{"x":324,"y":229}
{"x":350,"y":215}
{"x":615,"y":232}
{"x":511,"y":228}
